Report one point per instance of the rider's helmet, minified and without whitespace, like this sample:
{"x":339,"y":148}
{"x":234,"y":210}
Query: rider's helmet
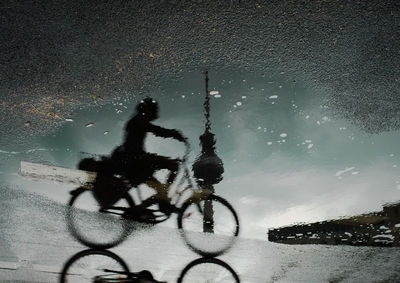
{"x":148,"y":107}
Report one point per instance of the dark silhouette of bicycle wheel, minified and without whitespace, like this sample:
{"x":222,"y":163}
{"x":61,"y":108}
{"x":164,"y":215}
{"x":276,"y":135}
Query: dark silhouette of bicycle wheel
{"x":96,"y":229}
{"x":94,"y":266}
{"x":208,"y":270}
{"x":206,"y":241}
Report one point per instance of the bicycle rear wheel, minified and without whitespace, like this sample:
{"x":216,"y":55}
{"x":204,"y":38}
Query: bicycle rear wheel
{"x":209,"y":227}
{"x":94,"y":266}
{"x":94,"y":228}
{"x":208,"y":270}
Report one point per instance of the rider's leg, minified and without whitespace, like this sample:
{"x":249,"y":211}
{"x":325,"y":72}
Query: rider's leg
{"x":157,"y":162}
{"x":160,"y":195}
{"x":162,"y":162}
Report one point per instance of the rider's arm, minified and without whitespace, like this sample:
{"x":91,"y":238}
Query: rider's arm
{"x":166,"y":133}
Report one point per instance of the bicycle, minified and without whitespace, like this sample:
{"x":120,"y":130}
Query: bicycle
{"x":202,"y":217}
{"x":102,"y":266}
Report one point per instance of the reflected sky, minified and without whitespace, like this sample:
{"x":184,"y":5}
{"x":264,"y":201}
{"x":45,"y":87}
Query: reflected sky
{"x":287,"y":159}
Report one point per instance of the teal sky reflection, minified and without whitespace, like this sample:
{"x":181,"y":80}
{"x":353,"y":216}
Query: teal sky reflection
{"x":287,"y":158}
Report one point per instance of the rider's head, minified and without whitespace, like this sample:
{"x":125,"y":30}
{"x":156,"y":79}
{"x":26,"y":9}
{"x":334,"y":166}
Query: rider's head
{"x":148,"y":108}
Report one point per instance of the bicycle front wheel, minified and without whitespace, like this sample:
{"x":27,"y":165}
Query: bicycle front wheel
{"x":208,"y":227}
{"x":94,"y":266}
{"x":96,"y":228}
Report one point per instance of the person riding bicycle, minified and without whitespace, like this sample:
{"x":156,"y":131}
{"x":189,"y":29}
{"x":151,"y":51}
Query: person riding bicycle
{"x":132,"y":161}
{"x":142,"y":164}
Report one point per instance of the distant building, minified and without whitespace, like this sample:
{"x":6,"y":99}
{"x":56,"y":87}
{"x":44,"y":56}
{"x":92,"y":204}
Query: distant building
{"x":372,"y":229}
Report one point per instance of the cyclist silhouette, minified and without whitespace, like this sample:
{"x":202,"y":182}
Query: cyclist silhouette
{"x":132,"y":161}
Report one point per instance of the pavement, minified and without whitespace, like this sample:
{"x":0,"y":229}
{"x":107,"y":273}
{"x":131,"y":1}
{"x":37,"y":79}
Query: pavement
{"x":35,"y":244}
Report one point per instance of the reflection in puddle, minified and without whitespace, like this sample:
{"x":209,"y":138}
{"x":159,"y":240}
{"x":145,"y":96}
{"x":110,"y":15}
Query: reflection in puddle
{"x":287,"y":159}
